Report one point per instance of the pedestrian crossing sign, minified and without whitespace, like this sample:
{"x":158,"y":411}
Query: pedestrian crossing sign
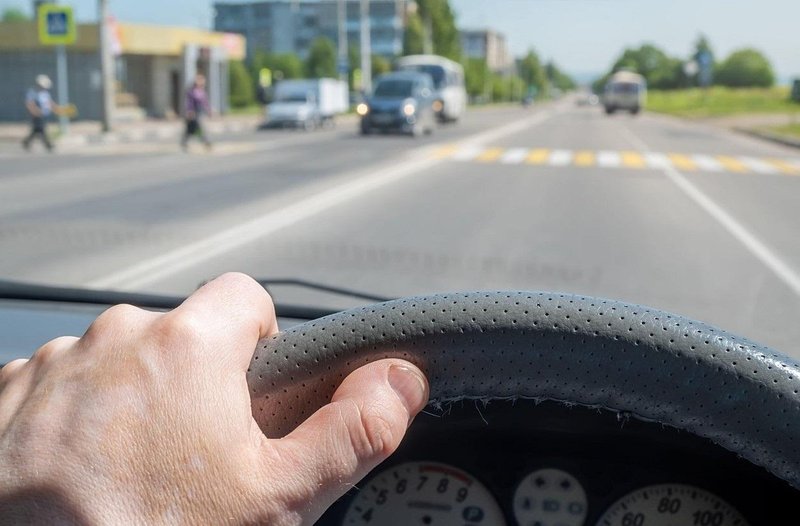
{"x":56,"y":25}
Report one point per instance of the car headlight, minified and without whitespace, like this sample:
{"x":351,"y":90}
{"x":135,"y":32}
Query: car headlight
{"x":362,"y":109}
{"x":409,"y":109}
{"x":438,"y":106}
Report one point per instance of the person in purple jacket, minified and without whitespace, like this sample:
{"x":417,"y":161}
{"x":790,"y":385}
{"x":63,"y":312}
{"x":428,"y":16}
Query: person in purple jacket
{"x":196,"y":106}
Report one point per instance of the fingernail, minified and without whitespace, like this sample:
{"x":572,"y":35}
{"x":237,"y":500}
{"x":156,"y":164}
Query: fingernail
{"x":410,"y":386}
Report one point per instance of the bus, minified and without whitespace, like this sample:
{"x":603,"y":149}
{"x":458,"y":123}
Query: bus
{"x":448,"y":81}
{"x":625,"y":90}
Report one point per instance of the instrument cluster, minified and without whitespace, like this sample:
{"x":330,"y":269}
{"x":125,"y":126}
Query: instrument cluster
{"x":528,"y":464}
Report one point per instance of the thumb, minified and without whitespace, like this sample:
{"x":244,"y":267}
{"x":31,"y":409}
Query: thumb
{"x":364,"y":424}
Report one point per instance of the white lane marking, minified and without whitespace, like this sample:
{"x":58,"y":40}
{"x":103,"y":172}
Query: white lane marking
{"x":191,"y":254}
{"x":467,"y":153}
{"x":707,"y":163}
{"x":758,"y":249}
{"x":758,"y":166}
{"x":560,"y":158}
{"x":607,"y":159}
{"x":514,"y":156}
{"x":656,"y":160}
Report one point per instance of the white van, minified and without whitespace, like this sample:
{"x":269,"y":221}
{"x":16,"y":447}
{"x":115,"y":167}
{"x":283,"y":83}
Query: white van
{"x":448,"y":81}
{"x":626,"y":91}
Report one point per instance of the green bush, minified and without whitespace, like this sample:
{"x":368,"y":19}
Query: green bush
{"x":745,"y":68}
{"x":241,"y":91}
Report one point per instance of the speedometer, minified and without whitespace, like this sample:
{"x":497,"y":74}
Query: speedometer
{"x":670,"y":504}
{"x":424,"y":493}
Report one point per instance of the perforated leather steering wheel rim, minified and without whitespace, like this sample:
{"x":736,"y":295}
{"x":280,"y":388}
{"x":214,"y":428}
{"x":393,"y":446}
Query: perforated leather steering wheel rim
{"x":626,"y":358}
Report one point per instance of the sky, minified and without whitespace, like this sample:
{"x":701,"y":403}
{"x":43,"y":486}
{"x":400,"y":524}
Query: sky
{"x":582,"y":36}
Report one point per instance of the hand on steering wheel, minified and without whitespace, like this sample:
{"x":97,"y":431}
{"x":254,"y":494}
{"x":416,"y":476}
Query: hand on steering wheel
{"x":147,"y":419}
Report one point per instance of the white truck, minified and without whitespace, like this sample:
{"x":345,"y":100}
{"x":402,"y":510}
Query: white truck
{"x":307,"y":103}
{"x":626,"y":91}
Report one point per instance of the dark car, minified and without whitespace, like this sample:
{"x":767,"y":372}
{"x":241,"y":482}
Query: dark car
{"x":401,"y":101}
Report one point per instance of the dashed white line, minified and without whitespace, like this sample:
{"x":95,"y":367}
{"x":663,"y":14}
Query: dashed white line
{"x":514,"y":156}
{"x":560,"y":158}
{"x":707,"y":163}
{"x":607,"y":159}
{"x":758,"y":166}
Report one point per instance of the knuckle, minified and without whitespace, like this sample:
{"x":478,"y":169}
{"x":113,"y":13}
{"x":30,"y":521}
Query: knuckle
{"x":9,"y":369}
{"x":51,"y":349}
{"x":374,"y":435}
{"x":113,"y":318}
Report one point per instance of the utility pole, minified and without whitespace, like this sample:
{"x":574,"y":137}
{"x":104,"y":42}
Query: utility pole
{"x":366,"y":49}
{"x":341,"y":13}
{"x":106,"y":66}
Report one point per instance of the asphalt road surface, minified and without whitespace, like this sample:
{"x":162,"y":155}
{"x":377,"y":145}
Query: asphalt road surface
{"x":645,"y":209}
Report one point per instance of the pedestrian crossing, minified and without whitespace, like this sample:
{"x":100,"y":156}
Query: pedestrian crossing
{"x":626,"y":159}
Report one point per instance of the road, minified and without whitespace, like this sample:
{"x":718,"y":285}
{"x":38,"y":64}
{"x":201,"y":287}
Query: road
{"x":646,"y":209}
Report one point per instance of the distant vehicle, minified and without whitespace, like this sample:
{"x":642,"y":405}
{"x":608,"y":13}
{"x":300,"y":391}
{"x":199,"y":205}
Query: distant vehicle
{"x":307,"y":103}
{"x":401,"y":101}
{"x":625,"y":90}
{"x":587,"y":99}
{"x":448,"y":81}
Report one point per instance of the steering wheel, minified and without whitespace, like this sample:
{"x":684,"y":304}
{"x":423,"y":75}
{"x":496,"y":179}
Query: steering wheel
{"x":535,"y":345}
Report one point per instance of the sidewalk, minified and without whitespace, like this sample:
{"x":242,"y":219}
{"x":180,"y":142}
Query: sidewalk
{"x":84,"y":133}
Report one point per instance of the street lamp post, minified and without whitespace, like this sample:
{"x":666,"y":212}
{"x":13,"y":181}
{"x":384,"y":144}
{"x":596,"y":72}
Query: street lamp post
{"x":341,"y":14}
{"x":106,"y":66}
{"x":366,"y":49}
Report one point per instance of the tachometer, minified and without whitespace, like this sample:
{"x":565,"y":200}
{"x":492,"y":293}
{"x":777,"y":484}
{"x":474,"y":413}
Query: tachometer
{"x":424,"y":493}
{"x":670,"y":504}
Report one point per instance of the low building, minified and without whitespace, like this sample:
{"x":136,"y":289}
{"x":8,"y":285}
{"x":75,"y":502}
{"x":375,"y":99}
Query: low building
{"x":488,"y":45}
{"x":281,"y":26}
{"x":154,"y":65}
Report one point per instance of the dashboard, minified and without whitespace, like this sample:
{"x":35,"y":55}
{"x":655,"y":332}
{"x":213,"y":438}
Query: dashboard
{"x":548,"y":464}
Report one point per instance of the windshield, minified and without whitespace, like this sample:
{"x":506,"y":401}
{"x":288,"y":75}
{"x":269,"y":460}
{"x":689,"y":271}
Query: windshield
{"x":293,"y":97}
{"x":162,"y":166}
{"x":625,"y":87}
{"x":437,"y":73}
{"x":394,"y":88}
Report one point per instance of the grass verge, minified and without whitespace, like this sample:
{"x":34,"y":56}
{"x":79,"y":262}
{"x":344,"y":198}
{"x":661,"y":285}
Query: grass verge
{"x":719,"y":101}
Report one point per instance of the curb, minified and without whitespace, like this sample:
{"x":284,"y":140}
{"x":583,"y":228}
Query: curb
{"x":769,"y":136}
{"x":161,"y":133}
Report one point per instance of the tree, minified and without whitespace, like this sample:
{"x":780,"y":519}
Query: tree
{"x":438,"y":15}
{"x":321,"y":61}
{"x":241,"y":85}
{"x":14,"y":14}
{"x":288,"y":64}
{"x":414,"y":36}
{"x":558,"y":78}
{"x":476,"y":77}
{"x":659,"y":69}
{"x":532,"y":73}
{"x":380,"y":65}
{"x":745,"y":68}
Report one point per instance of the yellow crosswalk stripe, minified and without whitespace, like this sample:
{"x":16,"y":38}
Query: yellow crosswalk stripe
{"x":445,"y":151}
{"x":584,"y":158}
{"x":784,"y":167}
{"x":732,"y":164}
{"x":538,"y":156}
{"x":632,"y":160}
{"x":682,"y":162}
{"x":490,"y":154}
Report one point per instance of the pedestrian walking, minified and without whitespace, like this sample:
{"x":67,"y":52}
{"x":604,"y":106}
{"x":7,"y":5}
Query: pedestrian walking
{"x":197,"y":107}
{"x":40,"y":106}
